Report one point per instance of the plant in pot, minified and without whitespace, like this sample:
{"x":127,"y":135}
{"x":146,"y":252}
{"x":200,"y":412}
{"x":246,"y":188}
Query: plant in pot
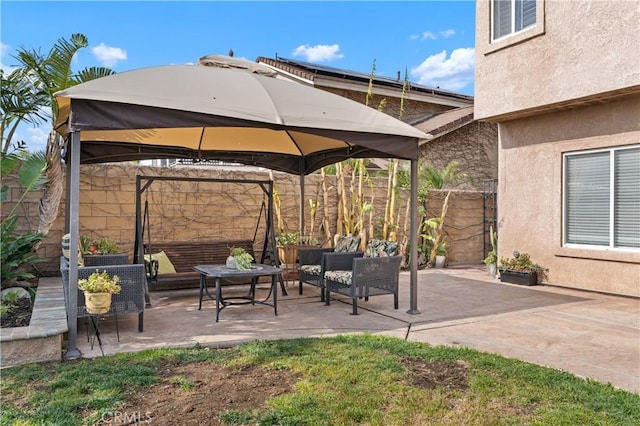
{"x":98,"y":288}
{"x":285,"y":242}
{"x":98,"y":246}
{"x":239,"y":259}
{"x":435,"y":245}
{"x":521,"y":270}
{"x":492,"y":257}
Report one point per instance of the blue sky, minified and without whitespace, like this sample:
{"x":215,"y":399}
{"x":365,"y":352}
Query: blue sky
{"x":432,"y":40}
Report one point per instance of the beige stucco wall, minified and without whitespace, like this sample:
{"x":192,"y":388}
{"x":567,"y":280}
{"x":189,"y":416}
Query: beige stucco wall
{"x":577,"y":50}
{"x":530,"y":192}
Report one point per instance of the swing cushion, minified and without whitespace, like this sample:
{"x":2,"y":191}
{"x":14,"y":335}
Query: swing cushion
{"x":164,"y":264}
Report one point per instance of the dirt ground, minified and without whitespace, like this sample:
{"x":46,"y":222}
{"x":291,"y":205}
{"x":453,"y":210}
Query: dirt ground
{"x":19,"y":315}
{"x":195,"y":394}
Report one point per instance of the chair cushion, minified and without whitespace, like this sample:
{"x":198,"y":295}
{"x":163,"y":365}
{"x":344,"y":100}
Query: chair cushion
{"x":164,"y":264}
{"x":342,"y":277}
{"x":66,"y":251}
{"x":311,"y":270}
{"x":380,"y":248}
{"x":347,"y":244}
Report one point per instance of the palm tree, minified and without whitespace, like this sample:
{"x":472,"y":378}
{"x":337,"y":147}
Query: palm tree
{"x":432,"y":178}
{"x":46,"y":75}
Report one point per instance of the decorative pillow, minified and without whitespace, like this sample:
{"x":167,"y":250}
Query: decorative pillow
{"x":347,"y":244}
{"x":66,"y":251}
{"x":380,"y":248}
{"x":164,"y":264}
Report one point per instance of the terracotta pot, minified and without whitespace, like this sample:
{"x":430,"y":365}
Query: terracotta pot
{"x":97,"y":303}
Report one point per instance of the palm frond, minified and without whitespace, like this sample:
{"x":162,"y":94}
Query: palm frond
{"x":92,"y":73}
{"x":31,"y":174}
{"x":8,"y":163}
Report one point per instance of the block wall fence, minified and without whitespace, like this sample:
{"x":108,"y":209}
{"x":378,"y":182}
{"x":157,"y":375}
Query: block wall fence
{"x":199,"y":211}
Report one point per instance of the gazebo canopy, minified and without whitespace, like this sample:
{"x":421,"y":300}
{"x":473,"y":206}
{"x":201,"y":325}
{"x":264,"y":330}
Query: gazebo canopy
{"x":197,"y":112}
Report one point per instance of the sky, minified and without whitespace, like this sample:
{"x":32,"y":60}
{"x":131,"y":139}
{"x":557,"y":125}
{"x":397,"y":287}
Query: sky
{"x":432,"y":40}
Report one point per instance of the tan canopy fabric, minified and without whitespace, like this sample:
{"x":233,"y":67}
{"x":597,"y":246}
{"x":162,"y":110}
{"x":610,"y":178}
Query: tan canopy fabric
{"x":197,"y":112}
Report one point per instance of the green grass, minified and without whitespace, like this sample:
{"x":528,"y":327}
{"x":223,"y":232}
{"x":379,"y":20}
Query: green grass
{"x":347,"y":380}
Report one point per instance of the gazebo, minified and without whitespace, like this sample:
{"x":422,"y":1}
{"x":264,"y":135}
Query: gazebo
{"x":196,"y":112}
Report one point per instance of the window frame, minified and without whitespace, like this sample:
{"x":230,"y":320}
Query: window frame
{"x":611,"y":246}
{"x":512,"y":20}
{"x":523,"y":35}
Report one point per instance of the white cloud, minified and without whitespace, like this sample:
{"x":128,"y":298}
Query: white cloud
{"x":108,"y":56}
{"x":4,"y":48}
{"x":452,"y":73}
{"x":319,"y":53}
{"x":428,"y":35}
{"x":37,"y":139}
{"x":448,"y":33}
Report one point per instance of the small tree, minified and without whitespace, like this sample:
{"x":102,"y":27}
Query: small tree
{"x":432,"y":178}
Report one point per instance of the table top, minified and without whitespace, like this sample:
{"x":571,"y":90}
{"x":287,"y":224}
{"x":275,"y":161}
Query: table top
{"x":221,"y":271}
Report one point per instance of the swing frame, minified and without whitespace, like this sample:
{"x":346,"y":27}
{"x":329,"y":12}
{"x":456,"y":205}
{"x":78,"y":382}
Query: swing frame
{"x":269,"y":245}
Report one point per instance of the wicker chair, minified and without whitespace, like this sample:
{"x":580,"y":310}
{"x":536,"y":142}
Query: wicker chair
{"x":131,"y":296}
{"x":106,"y":259}
{"x":376,"y":273}
{"x":311,"y":261}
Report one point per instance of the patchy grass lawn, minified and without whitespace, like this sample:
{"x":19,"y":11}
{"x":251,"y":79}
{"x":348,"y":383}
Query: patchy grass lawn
{"x":348,"y":380}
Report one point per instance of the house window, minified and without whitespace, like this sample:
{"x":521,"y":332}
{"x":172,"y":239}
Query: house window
{"x":602,"y":198}
{"x":511,"y":16}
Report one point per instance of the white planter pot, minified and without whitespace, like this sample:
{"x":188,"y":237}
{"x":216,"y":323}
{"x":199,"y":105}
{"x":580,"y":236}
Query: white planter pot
{"x":440,"y":260}
{"x":231,"y":263}
{"x":492,"y":269}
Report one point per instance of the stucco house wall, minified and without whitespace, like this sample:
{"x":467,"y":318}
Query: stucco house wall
{"x":577,"y":50}
{"x":571,"y":83}
{"x":530,"y":193}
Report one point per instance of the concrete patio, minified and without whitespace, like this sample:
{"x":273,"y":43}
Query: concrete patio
{"x":588,"y":334}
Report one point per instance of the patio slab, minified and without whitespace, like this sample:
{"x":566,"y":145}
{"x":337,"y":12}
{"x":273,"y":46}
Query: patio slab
{"x":588,"y":334}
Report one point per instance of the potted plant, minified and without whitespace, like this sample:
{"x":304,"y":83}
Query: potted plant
{"x":521,"y":270}
{"x":239,"y":259}
{"x":435,"y":244}
{"x":98,"y":246}
{"x":98,"y":288}
{"x":492,"y":257}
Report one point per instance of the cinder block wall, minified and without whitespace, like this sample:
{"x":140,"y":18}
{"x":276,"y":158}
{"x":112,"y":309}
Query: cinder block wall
{"x":196,"y":211}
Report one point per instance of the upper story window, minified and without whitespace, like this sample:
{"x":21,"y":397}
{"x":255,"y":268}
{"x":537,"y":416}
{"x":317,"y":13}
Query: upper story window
{"x":602,"y":198}
{"x":511,"y":16}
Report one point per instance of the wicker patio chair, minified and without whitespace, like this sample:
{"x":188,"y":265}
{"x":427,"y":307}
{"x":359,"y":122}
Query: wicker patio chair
{"x":131,"y":296}
{"x":376,"y":273}
{"x":106,"y":259}
{"x":311,"y":261}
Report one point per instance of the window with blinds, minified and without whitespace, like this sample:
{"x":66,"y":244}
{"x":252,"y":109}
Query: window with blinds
{"x":602,"y":198}
{"x":512,"y":16}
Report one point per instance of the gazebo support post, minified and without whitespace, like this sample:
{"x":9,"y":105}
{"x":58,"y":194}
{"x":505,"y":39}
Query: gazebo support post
{"x":302,"y":201}
{"x":73,"y":195}
{"x":413,"y":242}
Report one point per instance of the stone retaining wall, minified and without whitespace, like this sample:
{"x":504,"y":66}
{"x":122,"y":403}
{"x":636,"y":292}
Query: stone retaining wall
{"x":194,"y":211}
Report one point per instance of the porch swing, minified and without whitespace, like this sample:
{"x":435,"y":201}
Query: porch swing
{"x":185,"y":255}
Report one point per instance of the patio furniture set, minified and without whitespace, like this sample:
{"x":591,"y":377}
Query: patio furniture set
{"x":343,"y":270}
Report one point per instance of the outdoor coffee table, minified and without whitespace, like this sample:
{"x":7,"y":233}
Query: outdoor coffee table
{"x":221,"y":271}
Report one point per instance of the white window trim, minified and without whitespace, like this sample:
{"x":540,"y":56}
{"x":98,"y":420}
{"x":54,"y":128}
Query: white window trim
{"x":525,"y":34}
{"x":611,"y":246}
